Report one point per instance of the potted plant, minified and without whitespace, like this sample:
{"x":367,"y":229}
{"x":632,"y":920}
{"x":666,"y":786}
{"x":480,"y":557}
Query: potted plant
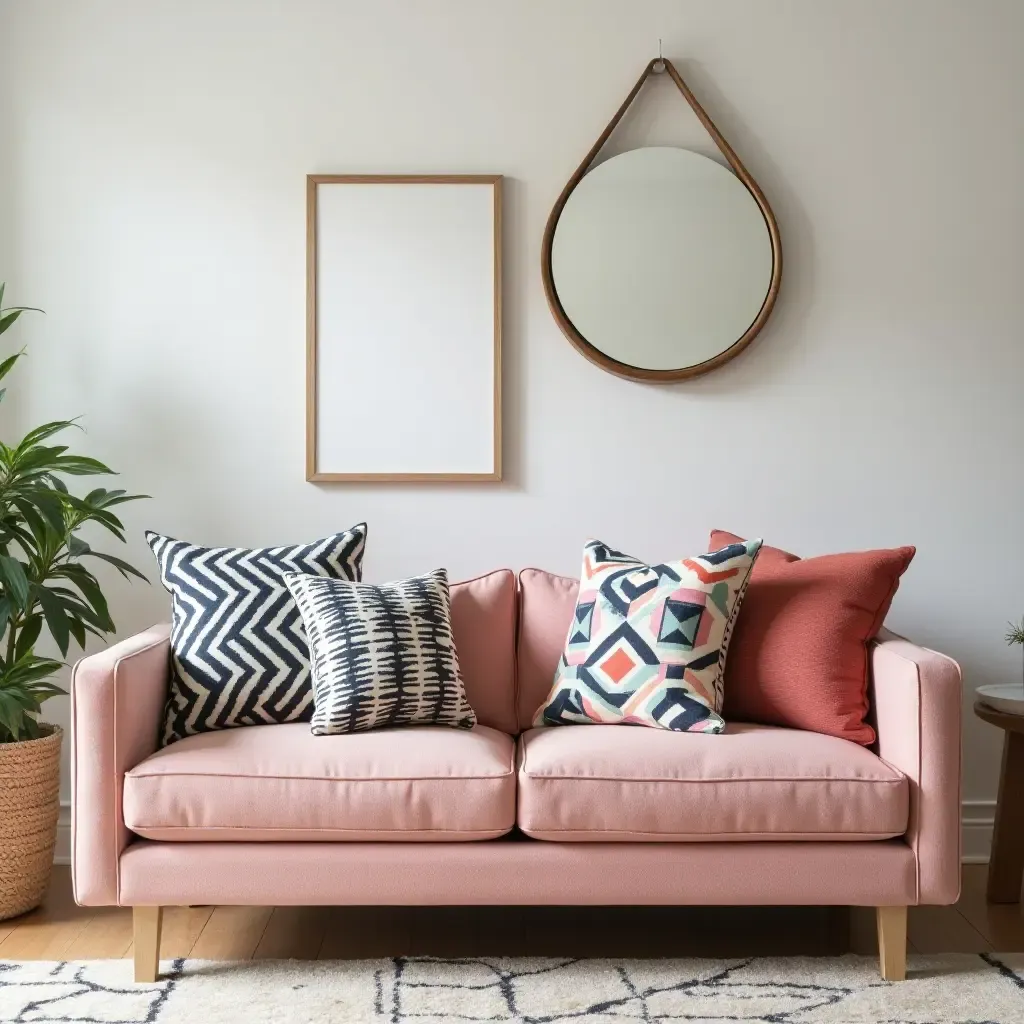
{"x":45,"y":587}
{"x":1015,"y":633}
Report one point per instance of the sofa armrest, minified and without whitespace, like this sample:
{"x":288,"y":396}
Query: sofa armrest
{"x":117,"y":703}
{"x":916,"y":695}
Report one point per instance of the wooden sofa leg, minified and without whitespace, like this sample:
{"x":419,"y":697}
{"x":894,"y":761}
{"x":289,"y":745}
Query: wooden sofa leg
{"x":892,"y":942}
{"x":146,"y":922}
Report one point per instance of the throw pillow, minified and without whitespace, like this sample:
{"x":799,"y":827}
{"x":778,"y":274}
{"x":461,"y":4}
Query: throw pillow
{"x":239,"y":654}
{"x":647,"y":643}
{"x":381,"y":655}
{"x":800,"y":655}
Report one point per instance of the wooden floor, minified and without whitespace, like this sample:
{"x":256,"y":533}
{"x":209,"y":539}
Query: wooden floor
{"x":60,"y":930}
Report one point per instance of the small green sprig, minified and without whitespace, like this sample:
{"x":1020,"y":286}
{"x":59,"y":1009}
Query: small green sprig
{"x":1015,"y":633}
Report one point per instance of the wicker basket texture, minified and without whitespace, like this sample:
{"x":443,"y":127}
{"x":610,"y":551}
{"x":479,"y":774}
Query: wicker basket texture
{"x":29,"y":804}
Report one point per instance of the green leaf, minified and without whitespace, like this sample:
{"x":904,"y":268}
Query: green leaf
{"x":30,"y":670}
{"x":90,"y":588}
{"x":76,"y":608}
{"x":5,"y":613}
{"x":77,"y":546}
{"x":38,"y":458}
{"x":96,"y":497}
{"x":80,"y":465}
{"x":18,"y":309}
{"x":44,"y":691}
{"x":28,"y":635}
{"x":8,"y":363}
{"x":12,"y":714}
{"x":15,"y":531}
{"x":105,"y":499}
{"x":51,"y":506}
{"x":56,"y":619}
{"x":8,"y":320}
{"x":45,"y":430}
{"x":90,"y":513}
{"x":12,"y":575}
{"x":77,"y":629}
{"x":35,"y":521}
{"x":27,"y":697}
{"x":122,"y":566}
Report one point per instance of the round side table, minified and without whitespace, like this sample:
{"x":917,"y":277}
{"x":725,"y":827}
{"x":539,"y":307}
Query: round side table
{"x":1006,"y":865}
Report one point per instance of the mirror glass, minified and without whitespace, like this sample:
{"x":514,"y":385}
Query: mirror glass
{"x":661,"y":258}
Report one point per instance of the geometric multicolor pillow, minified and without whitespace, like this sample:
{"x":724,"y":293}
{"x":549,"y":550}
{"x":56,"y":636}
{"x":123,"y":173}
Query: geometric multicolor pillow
{"x":647,"y":643}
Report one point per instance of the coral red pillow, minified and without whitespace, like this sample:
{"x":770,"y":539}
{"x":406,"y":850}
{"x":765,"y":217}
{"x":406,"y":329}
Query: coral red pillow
{"x":799,"y":653}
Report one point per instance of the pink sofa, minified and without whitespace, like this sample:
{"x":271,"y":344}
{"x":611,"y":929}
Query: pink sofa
{"x":509,"y":814}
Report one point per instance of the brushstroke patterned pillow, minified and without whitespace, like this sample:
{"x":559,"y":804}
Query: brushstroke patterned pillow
{"x":647,"y":643}
{"x":381,"y":655}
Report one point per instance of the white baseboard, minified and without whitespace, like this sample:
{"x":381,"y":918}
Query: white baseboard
{"x":977,"y":820}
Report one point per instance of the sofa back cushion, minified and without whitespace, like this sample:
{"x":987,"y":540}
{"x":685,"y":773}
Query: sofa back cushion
{"x":546,"y":605}
{"x":484,"y":628}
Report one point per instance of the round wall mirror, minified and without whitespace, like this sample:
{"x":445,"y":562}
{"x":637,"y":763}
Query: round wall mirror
{"x":660,"y":263}
{"x":661,"y":259}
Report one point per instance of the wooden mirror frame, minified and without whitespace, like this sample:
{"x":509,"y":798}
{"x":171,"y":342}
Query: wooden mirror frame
{"x":595,"y":355}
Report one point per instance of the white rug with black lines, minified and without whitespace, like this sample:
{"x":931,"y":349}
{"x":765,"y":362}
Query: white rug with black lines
{"x":950,"y":989}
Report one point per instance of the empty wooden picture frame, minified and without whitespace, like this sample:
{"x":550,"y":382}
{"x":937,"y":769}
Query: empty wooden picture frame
{"x":403,"y":328}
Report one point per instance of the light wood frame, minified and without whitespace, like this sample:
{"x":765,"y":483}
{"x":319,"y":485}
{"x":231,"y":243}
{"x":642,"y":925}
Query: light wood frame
{"x":595,"y":355}
{"x":313,"y":473}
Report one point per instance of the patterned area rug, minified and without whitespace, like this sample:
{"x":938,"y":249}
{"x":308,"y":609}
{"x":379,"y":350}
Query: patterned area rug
{"x":954,"y":989}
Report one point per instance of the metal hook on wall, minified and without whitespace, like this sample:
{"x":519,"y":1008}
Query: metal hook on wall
{"x":659,"y":65}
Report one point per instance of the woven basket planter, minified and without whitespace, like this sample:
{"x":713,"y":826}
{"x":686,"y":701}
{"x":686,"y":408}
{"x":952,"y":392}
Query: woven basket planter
{"x":29,"y":804}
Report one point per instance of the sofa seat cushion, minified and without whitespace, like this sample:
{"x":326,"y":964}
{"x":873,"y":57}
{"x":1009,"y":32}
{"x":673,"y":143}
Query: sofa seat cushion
{"x":281,"y":783}
{"x":752,"y":782}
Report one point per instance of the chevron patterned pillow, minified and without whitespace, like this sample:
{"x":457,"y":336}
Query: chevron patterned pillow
{"x":382,"y":655}
{"x":239,"y":654}
{"x":647,"y":643}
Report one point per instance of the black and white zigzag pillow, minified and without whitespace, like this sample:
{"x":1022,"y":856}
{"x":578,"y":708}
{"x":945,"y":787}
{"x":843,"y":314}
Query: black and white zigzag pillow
{"x":381,"y":655}
{"x":239,"y":654}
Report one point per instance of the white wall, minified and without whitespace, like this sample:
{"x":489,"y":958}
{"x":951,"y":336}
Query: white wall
{"x":156,"y":153}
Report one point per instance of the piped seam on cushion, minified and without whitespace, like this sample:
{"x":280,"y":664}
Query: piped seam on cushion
{"x":757,"y":779}
{"x":312,"y":828}
{"x":710,"y":836}
{"x":135,"y":774}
